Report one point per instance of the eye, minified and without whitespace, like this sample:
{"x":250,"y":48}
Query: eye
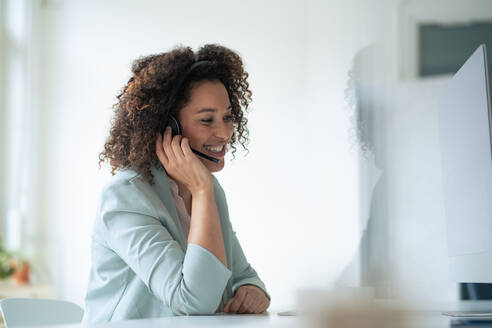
{"x":206,"y":120}
{"x":228,"y":118}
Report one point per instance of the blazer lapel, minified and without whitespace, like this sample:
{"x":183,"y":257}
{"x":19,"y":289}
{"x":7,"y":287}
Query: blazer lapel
{"x":164,"y":192}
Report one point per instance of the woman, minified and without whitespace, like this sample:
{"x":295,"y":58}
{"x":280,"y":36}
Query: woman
{"x":162,"y":242}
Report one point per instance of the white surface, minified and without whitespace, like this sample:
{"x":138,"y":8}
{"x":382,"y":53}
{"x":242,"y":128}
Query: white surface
{"x":415,"y":319}
{"x":257,"y":321}
{"x":212,"y":321}
{"x":467,"y":170}
{"x":471,"y":314}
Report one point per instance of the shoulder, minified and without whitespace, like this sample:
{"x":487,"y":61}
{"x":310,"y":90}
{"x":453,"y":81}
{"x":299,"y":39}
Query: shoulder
{"x":128,"y":191}
{"x":123,"y":181}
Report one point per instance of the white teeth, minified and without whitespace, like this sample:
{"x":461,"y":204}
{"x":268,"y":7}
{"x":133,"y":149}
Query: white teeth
{"x":217,"y":149}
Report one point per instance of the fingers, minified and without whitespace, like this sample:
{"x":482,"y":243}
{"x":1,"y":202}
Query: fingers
{"x":235,"y":306}
{"x":228,"y":305}
{"x":176,"y":148}
{"x":258,"y":307}
{"x":247,"y":305}
{"x":160,"y":151}
{"x":261,"y":306}
{"x":236,"y":303}
{"x":166,"y":145}
{"x":172,"y":146}
{"x":245,"y":302}
{"x":185,"y":147}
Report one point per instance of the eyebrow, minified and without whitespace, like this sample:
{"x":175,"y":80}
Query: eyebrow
{"x":212,"y":110}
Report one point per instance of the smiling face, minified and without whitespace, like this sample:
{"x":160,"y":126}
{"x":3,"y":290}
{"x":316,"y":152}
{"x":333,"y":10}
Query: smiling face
{"x":207,"y":121}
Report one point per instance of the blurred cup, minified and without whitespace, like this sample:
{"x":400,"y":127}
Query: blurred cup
{"x":353,"y":307}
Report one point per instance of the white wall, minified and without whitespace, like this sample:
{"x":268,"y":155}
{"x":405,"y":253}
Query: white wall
{"x":293,"y":199}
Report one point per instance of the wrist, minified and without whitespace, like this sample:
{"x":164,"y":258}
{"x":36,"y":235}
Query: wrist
{"x":202,"y":191}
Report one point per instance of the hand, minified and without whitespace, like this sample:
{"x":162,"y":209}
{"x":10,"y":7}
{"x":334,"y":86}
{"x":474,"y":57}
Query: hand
{"x":180,"y":162}
{"x":247,"y":299}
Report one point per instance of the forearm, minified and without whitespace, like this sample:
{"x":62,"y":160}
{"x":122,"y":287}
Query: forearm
{"x":205,"y":228}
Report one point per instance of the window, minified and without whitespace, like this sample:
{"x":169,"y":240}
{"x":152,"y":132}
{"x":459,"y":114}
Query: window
{"x":444,"y":48}
{"x":435,"y":37}
{"x":15,"y":100}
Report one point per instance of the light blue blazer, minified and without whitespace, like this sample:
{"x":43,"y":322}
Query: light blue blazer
{"x":142,"y":266}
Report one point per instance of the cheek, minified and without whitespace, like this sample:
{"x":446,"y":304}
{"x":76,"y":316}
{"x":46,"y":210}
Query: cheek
{"x":231,"y":129}
{"x":193,"y":133}
{"x":195,"y":142}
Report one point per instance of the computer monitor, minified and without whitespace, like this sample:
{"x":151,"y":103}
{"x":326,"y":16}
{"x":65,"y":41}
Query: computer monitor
{"x":465,"y":143}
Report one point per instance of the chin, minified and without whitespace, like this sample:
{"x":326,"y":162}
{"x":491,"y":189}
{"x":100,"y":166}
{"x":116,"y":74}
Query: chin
{"x":213,"y":167}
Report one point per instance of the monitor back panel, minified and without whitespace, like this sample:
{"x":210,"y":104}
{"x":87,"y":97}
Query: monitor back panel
{"x":465,"y":141}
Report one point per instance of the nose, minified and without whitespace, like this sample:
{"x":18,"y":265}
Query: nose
{"x":224,"y":130}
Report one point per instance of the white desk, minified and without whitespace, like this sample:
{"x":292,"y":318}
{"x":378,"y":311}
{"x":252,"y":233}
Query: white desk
{"x":418,"y":320}
{"x":257,"y":321}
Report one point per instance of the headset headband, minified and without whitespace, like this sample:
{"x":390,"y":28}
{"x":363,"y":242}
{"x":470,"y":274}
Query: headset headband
{"x":183,"y":77}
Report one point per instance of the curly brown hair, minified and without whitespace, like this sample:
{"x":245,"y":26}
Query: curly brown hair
{"x":155,"y":91}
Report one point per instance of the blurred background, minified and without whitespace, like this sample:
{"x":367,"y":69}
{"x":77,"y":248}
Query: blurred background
{"x":342,"y":183}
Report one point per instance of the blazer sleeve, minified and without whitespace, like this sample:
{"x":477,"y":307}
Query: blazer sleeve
{"x":243,"y":272}
{"x":190,"y":282}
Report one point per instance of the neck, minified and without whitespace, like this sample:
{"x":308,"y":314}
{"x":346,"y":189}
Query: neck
{"x":183,"y":191}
